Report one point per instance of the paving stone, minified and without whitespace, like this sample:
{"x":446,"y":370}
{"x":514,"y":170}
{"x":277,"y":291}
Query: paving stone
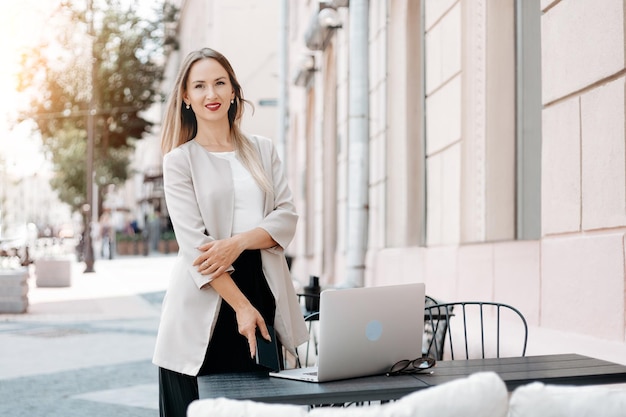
{"x":85,"y":350}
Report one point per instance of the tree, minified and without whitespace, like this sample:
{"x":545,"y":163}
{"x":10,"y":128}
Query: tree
{"x":125,"y":55}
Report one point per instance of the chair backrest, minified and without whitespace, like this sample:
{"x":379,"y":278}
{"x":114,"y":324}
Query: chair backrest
{"x":473,"y":325}
{"x":429,"y":301}
{"x":309,"y":302}
{"x":306,"y":354}
{"x":309,"y":349}
{"x":435,"y":326}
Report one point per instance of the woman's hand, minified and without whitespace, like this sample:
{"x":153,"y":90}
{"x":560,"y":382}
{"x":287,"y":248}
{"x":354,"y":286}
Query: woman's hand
{"x":218,"y":255}
{"x":248,"y":317}
{"x":248,"y":320}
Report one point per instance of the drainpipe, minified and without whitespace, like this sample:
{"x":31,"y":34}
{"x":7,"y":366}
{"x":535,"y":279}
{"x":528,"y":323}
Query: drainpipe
{"x":281,"y":145}
{"x":358,"y":144}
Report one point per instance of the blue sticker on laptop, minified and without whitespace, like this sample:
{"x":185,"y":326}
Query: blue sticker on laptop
{"x":374,"y":330}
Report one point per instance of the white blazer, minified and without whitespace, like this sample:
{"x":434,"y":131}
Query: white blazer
{"x":192,"y":178}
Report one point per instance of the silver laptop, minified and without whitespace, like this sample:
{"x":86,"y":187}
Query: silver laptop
{"x":364,"y":331}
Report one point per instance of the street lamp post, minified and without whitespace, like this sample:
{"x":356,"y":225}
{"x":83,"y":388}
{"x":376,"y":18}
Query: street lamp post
{"x":88,"y":207}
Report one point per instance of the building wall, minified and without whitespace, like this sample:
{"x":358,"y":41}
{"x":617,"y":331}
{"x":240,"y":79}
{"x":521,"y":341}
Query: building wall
{"x":444,"y":123}
{"x":584,"y":170}
{"x":317,"y":146}
{"x":443,"y":145}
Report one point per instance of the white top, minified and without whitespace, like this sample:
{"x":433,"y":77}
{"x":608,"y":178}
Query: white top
{"x":248,"y":212}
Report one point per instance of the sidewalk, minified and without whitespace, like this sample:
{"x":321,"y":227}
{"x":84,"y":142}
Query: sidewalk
{"x":86,"y":350}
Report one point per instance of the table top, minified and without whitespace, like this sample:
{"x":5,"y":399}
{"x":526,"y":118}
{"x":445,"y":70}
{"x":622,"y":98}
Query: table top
{"x":566,"y":369}
{"x":562,"y":369}
{"x":263,"y":388}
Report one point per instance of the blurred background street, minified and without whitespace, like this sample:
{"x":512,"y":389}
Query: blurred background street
{"x":85,"y":350}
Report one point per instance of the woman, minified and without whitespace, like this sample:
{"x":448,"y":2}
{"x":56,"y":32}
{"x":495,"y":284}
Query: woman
{"x":233,"y":215}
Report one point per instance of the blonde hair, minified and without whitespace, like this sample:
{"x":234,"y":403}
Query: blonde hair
{"x":180,"y":124}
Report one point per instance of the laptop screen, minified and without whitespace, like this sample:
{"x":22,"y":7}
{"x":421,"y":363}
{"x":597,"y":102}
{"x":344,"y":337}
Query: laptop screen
{"x":364,"y":331}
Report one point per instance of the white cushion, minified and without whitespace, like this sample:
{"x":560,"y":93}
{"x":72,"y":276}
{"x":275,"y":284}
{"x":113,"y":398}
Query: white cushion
{"x":224,"y":407}
{"x":481,"y":394}
{"x":538,"y":399}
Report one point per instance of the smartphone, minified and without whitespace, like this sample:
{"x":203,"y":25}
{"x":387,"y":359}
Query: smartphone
{"x":267,"y":352}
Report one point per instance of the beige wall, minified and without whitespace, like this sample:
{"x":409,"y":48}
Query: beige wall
{"x":444,"y":123}
{"x":378,"y":124}
{"x":442,"y":136}
{"x":584,"y":170}
{"x":317,"y":149}
{"x":404,"y":167}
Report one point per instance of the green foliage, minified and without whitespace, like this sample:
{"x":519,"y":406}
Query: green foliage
{"x":168,"y":235}
{"x":125,"y":237}
{"x":124,"y":59}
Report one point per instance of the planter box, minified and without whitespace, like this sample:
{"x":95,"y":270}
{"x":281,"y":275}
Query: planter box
{"x":132,"y":247}
{"x":168,"y":246}
{"x":53,"y":272}
{"x":14,"y":291}
{"x":140,"y":247}
{"x":124,"y":247}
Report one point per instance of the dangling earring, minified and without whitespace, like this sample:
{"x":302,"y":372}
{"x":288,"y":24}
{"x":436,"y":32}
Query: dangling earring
{"x":187,"y":106}
{"x":232,"y":101}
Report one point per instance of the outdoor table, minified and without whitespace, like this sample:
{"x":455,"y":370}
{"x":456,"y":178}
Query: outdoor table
{"x":564,"y":369}
{"x":561,"y":369}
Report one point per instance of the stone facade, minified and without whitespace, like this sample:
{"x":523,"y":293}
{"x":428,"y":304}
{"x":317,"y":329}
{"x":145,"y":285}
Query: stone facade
{"x":445,"y":149}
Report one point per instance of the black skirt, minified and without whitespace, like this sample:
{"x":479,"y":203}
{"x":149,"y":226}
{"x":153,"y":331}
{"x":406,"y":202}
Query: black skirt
{"x":228,"y":351}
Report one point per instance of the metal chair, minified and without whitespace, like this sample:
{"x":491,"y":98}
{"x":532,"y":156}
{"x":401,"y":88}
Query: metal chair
{"x":310,"y":311}
{"x":435,"y":326}
{"x":310,"y":320}
{"x":310,"y":303}
{"x":480,"y":326}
